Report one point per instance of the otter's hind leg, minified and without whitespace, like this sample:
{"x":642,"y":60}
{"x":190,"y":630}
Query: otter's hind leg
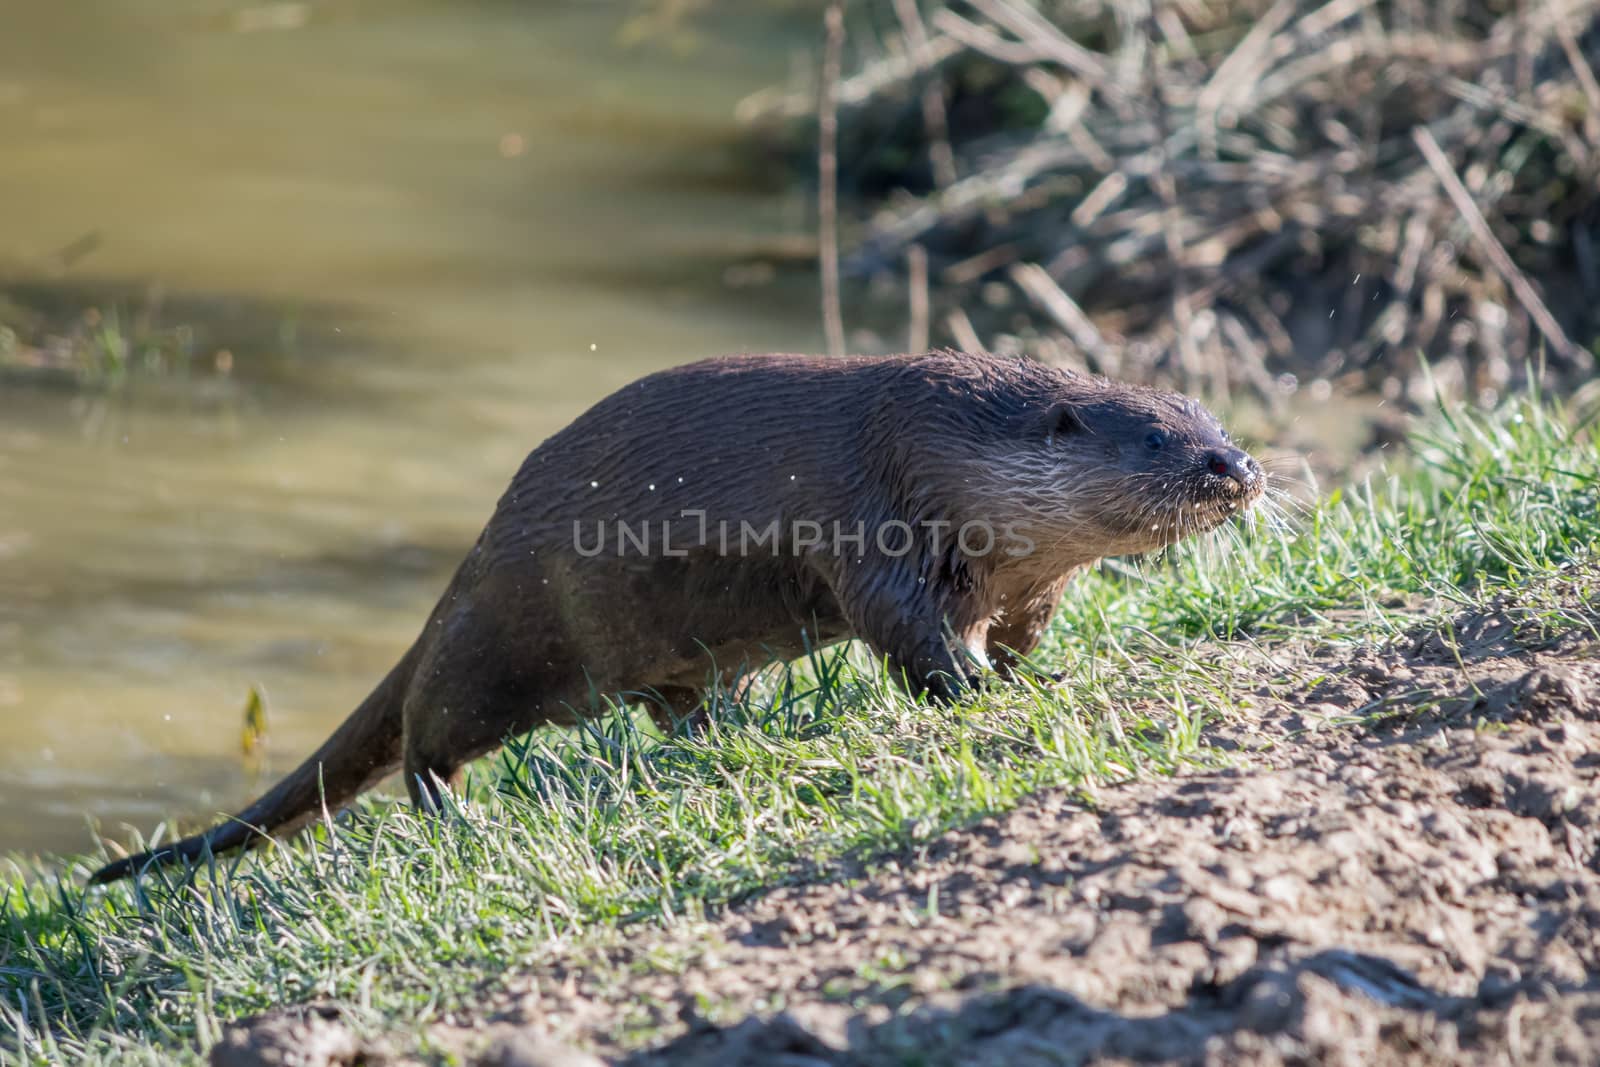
{"x":458,"y":711}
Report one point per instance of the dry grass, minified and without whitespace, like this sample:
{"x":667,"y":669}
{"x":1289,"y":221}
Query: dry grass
{"x":1239,"y":194}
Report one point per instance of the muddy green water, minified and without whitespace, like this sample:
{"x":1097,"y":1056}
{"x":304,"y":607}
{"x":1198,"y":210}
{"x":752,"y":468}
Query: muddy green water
{"x":492,"y":212}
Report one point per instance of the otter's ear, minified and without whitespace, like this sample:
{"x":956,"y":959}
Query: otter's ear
{"x":1064,"y":420}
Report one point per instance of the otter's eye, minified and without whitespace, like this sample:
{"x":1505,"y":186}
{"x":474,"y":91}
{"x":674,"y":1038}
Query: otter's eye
{"x":1156,"y":441}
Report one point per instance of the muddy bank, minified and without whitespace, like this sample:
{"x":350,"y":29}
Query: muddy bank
{"x":1395,"y":861}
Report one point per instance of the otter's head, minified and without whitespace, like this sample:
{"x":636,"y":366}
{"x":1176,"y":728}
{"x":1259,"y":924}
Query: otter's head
{"x":1118,"y":470}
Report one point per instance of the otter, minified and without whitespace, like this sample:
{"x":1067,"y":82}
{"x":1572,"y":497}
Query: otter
{"x":744,"y":510}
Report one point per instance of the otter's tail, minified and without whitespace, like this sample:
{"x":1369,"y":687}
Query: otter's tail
{"x":362,"y":751}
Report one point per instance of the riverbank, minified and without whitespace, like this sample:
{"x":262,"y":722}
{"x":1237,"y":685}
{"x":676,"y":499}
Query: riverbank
{"x":1399,"y":620}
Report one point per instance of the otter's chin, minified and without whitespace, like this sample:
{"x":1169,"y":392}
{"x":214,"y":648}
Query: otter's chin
{"x":1202,"y":514}
{"x":1197,"y":506}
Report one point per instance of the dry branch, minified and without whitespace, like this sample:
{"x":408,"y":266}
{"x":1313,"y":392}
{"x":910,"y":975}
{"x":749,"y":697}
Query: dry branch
{"x":1492,"y":248}
{"x":828,"y":179}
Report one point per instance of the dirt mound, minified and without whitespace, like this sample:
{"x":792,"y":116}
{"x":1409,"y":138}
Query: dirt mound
{"x":1403,"y":869}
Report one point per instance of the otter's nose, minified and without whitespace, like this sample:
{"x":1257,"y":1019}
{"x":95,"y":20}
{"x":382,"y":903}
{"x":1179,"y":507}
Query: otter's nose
{"x":1236,"y":464}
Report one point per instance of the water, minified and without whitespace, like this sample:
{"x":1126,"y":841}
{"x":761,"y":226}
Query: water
{"x":479,"y":218}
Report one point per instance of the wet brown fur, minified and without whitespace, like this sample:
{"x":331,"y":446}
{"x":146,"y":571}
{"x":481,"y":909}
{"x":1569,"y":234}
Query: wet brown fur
{"x":530,"y":630}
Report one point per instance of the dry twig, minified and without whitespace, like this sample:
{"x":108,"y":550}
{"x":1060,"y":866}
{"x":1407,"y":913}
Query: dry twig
{"x":940,"y":156}
{"x":1494,"y":250}
{"x":828,"y":179}
{"x":917,"y":268}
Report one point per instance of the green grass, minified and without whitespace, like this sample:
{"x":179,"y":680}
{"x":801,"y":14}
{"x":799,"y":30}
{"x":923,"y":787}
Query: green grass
{"x":572,"y":832}
{"x":100,"y":350}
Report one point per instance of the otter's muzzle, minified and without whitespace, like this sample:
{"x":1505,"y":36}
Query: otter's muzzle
{"x":1236,"y":465}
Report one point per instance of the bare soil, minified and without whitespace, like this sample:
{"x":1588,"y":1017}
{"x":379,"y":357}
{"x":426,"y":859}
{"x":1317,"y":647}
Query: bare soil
{"x":1400,"y":865}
